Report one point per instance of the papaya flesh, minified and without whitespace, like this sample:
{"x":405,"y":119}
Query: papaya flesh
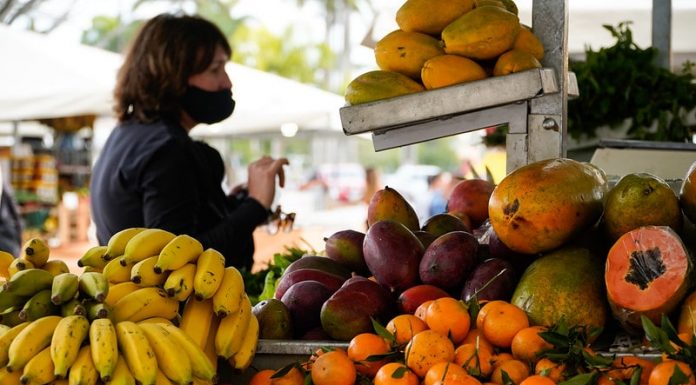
{"x":540,"y":206}
{"x":483,"y":33}
{"x":378,"y":85}
{"x":646,"y":273}
{"x":406,"y":52}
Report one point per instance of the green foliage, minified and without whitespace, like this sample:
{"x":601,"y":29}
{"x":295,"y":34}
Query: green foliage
{"x":262,"y":284}
{"x":110,"y":33}
{"x":438,"y":152}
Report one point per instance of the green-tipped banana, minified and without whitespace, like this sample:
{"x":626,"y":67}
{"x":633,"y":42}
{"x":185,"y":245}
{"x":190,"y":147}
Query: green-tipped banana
{"x":64,"y":288}
{"x":117,"y":243}
{"x":94,"y":257}
{"x":30,"y":341}
{"x":66,"y":341}
{"x":102,"y":339}
{"x":9,"y":300}
{"x":98,"y":310}
{"x":38,"y":306}
{"x":94,"y":285}
{"x":146,"y":244}
{"x":29,"y":282}
{"x":10,"y":317}
{"x":36,"y":251}
{"x":73,"y":307}
{"x":179,"y":251}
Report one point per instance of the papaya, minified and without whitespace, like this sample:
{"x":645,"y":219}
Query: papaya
{"x":508,"y":5}
{"x":687,"y":194}
{"x":513,"y":61}
{"x":378,"y":85}
{"x":550,"y":291}
{"x":447,"y":70}
{"x":430,"y":16}
{"x":406,"y":52}
{"x":646,"y":273}
{"x":687,"y":315}
{"x":481,"y":34}
{"x":540,"y":206}
{"x":640,"y":199}
{"x":528,"y":42}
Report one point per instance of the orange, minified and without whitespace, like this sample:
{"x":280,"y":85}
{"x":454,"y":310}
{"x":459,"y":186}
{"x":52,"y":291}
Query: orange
{"x":404,"y":327}
{"x":485,"y":308}
{"x":499,"y":358}
{"x":605,"y":380}
{"x":447,"y":372}
{"x":476,"y":361}
{"x":663,"y":371}
{"x":333,"y":368}
{"x":538,"y":380}
{"x":293,"y":377}
{"x":363,"y":346}
{"x":426,"y":349}
{"x":386,"y":375}
{"x":450,"y":317}
{"x":527,"y":344}
{"x":475,"y":336}
{"x":515,"y":369}
{"x":262,"y":377}
{"x":422,"y":309}
{"x":502,"y":323}
{"x":550,"y":369}
{"x":623,"y":368}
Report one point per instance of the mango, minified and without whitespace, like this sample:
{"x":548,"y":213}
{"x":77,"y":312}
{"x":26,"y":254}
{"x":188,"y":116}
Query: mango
{"x":304,"y":301}
{"x":388,"y":204}
{"x":345,"y":247}
{"x":392,"y":253}
{"x":275,"y":322}
{"x":443,"y":223}
{"x":449,"y":260}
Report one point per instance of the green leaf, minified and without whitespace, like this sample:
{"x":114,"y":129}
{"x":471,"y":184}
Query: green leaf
{"x":506,"y":378}
{"x":269,"y":286}
{"x":597,"y":360}
{"x":580,"y":379}
{"x":635,"y":377}
{"x":678,"y":377}
{"x":657,"y":337}
{"x":382,"y":331}
{"x":399,"y":372}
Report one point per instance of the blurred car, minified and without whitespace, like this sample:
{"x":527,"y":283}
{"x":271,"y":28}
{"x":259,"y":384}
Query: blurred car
{"x":344,"y":182}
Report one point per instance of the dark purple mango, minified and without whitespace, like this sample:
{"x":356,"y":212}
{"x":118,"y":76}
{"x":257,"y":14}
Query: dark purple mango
{"x":443,"y":223}
{"x":449,"y":260}
{"x":332,"y":281}
{"x":500,"y":288}
{"x":392,"y":253}
{"x":319,"y":263}
{"x":345,"y":247}
{"x":304,"y":301}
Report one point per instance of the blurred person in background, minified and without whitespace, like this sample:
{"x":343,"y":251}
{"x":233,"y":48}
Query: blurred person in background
{"x":150,"y":172}
{"x":10,"y":222}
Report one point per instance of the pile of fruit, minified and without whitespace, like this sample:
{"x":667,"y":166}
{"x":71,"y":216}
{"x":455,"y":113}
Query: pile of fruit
{"x":118,"y":322}
{"x":445,"y":42}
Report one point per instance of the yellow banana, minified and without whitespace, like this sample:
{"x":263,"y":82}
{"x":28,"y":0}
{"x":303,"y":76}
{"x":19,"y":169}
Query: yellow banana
{"x":36,"y":251}
{"x":243,"y":358}
{"x":73,"y":307}
{"x":33,"y":339}
{"x":117,"y":291}
{"x":200,"y":365}
{"x":137,"y":352}
{"x":230,"y":333}
{"x":198,"y":381}
{"x":82,"y":371}
{"x":197,"y":313}
{"x":145,"y":244}
{"x":64,"y":288}
{"x":143,"y":273}
{"x":39,"y":305}
{"x":178,"y":252}
{"x":9,"y":378}
{"x":17,"y":265}
{"x":156,"y":320}
{"x":121,"y":374}
{"x":209,"y":348}
{"x":28,"y":282}
{"x":4,"y":329}
{"x":162,"y":379}
{"x":228,"y":296}
{"x":145,"y":303}
{"x":117,"y":243}
{"x":5,"y":260}
{"x":7,"y":338}
{"x":102,"y":339}
{"x":173,"y":361}
{"x":115,"y":272}
{"x":93,"y":257}
{"x":179,"y":283}
{"x":210,"y":270}
{"x":39,"y":369}
{"x":55,"y":267}
{"x":90,"y":269}
{"x":94,"y":285}
{"x":66,"y":342}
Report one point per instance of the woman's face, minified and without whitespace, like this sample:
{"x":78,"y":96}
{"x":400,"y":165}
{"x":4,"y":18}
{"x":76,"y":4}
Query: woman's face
{"x":214,"y":78}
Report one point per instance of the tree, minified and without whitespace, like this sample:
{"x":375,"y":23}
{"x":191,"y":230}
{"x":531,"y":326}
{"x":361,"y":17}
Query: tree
{"x":12,"y":11}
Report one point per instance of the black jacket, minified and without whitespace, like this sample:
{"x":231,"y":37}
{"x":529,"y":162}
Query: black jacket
{"x":156,"y":176}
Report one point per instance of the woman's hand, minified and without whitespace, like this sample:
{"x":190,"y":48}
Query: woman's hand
{"x":262,"y":179}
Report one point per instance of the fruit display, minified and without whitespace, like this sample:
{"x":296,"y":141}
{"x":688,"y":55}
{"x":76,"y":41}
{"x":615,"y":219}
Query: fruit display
{"x":153,"y":308}
{"x":442,"y":43}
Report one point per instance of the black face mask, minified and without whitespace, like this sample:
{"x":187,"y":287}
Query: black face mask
{"x":208,"y":106}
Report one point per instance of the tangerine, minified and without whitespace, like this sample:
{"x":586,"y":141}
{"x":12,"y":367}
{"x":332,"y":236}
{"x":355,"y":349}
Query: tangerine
{"x":333,"y":368}
{"x":477,"y":361}
{"x":540,"y":380}
{"x":395,"y":373}
{"x":483,"y":312}
{"x":365,"y":345}
{"x":293,"y":377}
{"x":623,"y":368}
{"x":475,"y":336}
{"x":553,"y":370}
{"x":527,"y":344}
{"x":450,"y":317}
{"x":446,"y":372}
{"x":663,"y":372}
{"x":404,"y":327}
{"x":502,"y":323}
{"x":499,"y":358}
{"x":262,"y":377}
{"x":515,"y":369}
{"x":422,"y":309}
{"x":426,"y":349}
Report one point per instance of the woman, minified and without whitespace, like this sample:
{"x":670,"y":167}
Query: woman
{"x":150,"y":172}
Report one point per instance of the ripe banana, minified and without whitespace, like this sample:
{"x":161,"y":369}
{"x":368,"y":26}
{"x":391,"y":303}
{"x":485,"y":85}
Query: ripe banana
{"x":82,"y":370}
{"x":200,"y":365}
{"x":66,"y":341}
{"x":94,"y":257}
{"x":137,"y":352}
{"x":29,"y":282}
{"x":156,"y":320}
{"x":9,"y":378}
{"x":55,"y":267}
{"x":94,"y":285}
{"x":39,"y":370}
{"x":5,"y":261}
{"x":6,"y":340}
{"x":64,"y":288}
{"x":197,"y":313}
{"x":98,"y":310}
{"x":178,"y":252}
{"x":19,"y":264}
{"x":104,"y":347}
{"x":179,"y":283}
{"x":173,"y":361}
{"x":145,"y":303}
{"x":230,"y":333}
{"x":209,"y":348}
{"x":117,"y":243}
{"x":115,"y":272}
{"x":228,"y":296}
{"x":117,"y":291}
{"x":73,"y":307}
{"x":243,"y":358}
{"x":121,"y":374}
{"x":210,"y":270}
{"x":145,"y":244}
{"x":144,"y":275}
{"x":36,"y":251}
{"x":33,"y":339}
{"x":38,"y":306}
{"x":4,"y":329}
{"x":162,"y":379}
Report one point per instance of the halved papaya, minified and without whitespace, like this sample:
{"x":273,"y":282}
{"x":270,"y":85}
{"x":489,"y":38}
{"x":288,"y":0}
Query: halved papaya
{"x":646,"y":273}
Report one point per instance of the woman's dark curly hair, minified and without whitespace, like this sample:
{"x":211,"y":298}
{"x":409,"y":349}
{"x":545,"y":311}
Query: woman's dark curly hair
{"x":165,"y":53}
